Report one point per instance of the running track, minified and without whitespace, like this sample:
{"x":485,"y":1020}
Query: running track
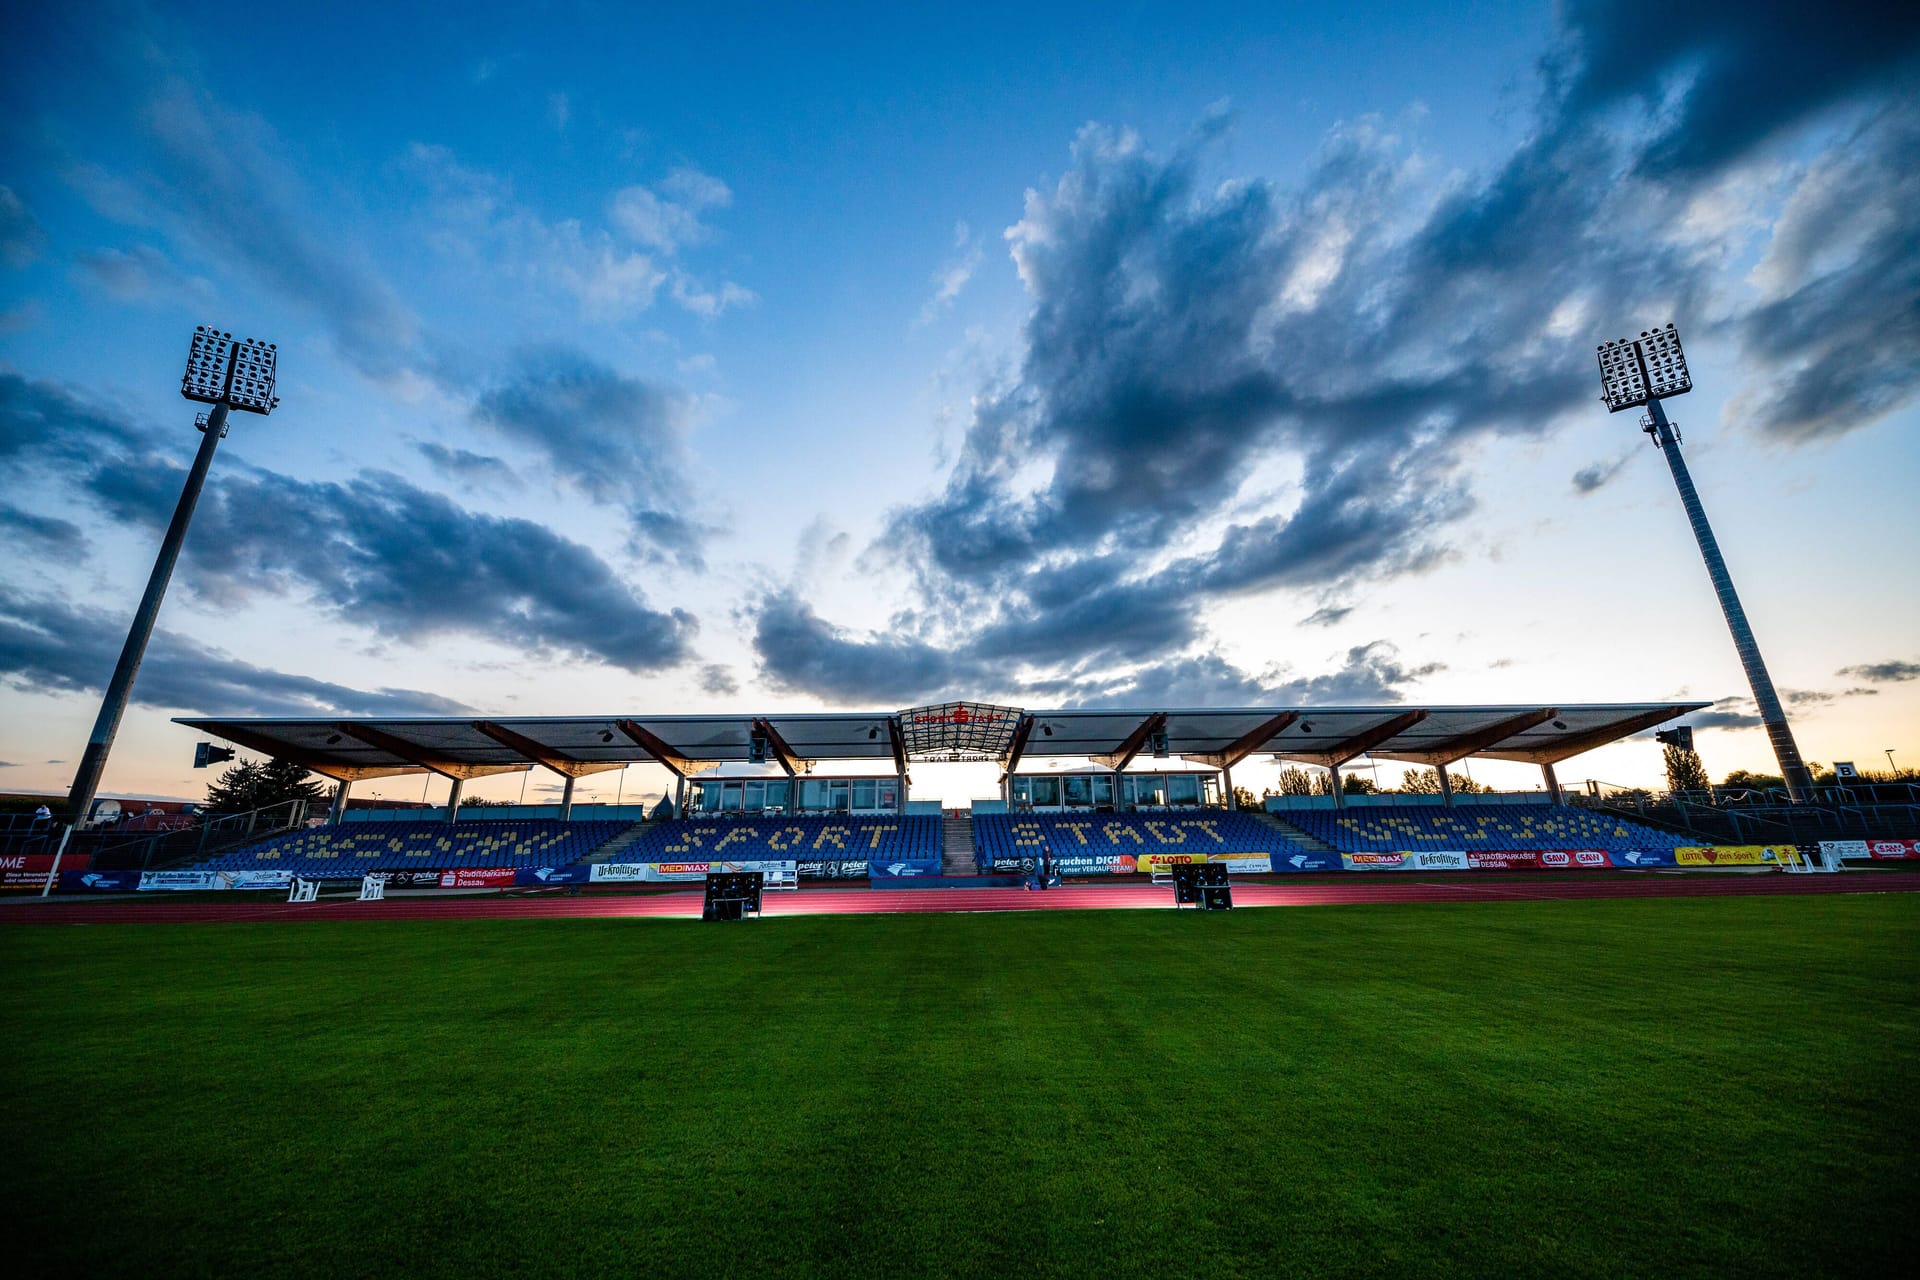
{"x":686,"y":906}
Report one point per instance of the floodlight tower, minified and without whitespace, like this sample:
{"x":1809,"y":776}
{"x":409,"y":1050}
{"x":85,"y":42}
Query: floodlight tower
{"x":1640,"y":371}
{"x":227,"y":375}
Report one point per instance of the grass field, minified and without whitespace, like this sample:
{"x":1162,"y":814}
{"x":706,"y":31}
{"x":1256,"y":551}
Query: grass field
{"x":1619,"y":1088}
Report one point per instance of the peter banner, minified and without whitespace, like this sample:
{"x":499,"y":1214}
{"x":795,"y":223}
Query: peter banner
{"x":1737,"y":855}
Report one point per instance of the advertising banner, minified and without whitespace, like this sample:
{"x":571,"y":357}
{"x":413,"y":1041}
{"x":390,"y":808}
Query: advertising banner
{"x":1538,"y":860}
{"x":903,"y":868}
{"x":412,"y":879}
{"x":529,"y":877}
{"x":477,"y":878}
{"x":814,"y":870}
{"x":1893,"y":848}
{"x":1642,"y":858}
{"x":657,"y":872}
{"x":177,"y":880}
{"x":1308,"y":860}
{"x":1845,"y":849}
{"x":1737,"y":855}
{"x":98,"y":881}
{"x":29,"y":870}
{"x":1237,"y":863}
{"x":254,"y":879}
{"x":1414,"y":860}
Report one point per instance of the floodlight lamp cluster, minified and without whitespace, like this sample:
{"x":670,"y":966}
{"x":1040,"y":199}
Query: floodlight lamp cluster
{"x":1636,"y":370}
{"x":239,"y":375}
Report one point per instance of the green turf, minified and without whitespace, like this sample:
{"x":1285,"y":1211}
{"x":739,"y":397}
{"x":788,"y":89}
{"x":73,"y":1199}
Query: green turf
{"x":1621,"y":1088}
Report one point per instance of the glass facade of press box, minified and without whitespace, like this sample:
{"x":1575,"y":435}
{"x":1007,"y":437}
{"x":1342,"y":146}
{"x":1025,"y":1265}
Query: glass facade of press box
{"x":777,"y":795}
{"x":1095,"y":791}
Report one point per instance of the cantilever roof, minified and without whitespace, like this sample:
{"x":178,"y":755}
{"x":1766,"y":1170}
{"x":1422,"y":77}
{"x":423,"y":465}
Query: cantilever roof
{"x":471,"y":747}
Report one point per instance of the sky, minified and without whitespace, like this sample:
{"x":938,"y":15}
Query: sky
{"x":687,"y":358}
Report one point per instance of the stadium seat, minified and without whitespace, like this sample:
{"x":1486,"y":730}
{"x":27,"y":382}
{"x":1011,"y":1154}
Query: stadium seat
{"x":353,"y":849}
{"x":1005,"y":837}
{"x":1409,"y":828}
{"x":839,"y":837}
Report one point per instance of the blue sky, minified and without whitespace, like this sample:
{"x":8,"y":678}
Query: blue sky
{"x":674,"y":360}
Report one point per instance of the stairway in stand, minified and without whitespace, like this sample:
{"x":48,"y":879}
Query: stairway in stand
{"x":609,"y":852}
{"x":1294,"y":833}
{"x":956,"y":847}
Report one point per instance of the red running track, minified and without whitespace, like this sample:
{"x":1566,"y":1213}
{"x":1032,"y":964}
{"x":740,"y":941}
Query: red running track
{"x":686,"y":906}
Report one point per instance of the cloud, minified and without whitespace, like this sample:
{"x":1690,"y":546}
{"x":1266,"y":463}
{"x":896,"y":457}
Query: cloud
{"x":1892,"y":671}
{"x":667,"y":217}
{"x":50,"y":534}
{"x":953,"y":277}
{"x":21,"y":238}
{"x":51,"y":647}
{"x":1595,"y":475}
{"x":41,"y":422}
{"x":559,"y":110}
{"x":1371,"y":328}
{"x":617,"y":439}
{"x":717,"y":679}
{"x":224,"y":183}
{"x":1327,"y":616}
{"x":141,"y":274}
{"x":467,"y":466}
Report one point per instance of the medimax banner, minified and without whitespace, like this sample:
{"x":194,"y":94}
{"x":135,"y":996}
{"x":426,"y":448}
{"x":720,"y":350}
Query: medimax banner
{"x":1737,"y":855}
{"x":1236,"y":863}
{"x":1414,"y":860}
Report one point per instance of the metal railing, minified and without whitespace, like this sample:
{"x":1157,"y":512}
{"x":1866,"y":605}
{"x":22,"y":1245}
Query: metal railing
{"x":114,"y":850}
{"x":1743,"y":815}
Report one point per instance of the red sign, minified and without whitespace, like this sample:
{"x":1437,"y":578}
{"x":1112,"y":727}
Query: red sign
{"x":1894,"y":848}
{"x":477,"y":878}
{"x":1538,"y":859}
{"x":29,"y":870}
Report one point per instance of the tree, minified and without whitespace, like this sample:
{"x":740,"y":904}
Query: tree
{"x":1684,"y":770}
{"x":253,"y":784}
{"x":1747,"y":779}
{"x":1295,"y":781}
{"x":1426,"y":782}
{"x":1244,"y":799}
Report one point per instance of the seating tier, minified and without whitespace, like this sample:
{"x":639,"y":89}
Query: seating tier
{"x":1396,"y":828}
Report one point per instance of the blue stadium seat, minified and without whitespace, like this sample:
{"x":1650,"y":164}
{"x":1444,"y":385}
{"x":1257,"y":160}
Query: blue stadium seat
{"x":1411,"y":828}
{"x":352,"y":849}
{"x":1010,"y":837}
{"x":838,"y":837}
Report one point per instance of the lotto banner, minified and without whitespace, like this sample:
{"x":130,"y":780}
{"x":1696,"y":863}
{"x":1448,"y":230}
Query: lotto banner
{"x":1415,"y":860}
{"x":1237,"y":863}
{"x":1737,"y":855}
{"x":29,"y":870}
{"x":178,"y":880}
{"x":477,"y":878}
{"x":1538,"y":860}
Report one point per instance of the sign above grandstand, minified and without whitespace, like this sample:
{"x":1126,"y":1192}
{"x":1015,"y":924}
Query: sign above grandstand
{"x":959,"y":730}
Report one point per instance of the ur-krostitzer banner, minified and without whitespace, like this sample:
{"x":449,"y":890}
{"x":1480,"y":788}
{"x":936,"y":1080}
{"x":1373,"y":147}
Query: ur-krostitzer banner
{"x":1737,"y":855}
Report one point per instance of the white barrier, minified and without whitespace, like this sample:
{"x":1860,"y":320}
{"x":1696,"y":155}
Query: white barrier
{"x":373,"y":888}
{"x":304,"y":891}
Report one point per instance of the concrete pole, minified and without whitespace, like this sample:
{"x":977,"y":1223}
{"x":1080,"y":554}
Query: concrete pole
{"x":566,"y":799}
{"x":1772,"y":715}
{"x":679,"y":796}
{"x":1339,"y":792}
{"x":900,"y":796}
{"x":1553,"y":784}
{"x":1226,"y":787}
{"x":453,"y":801}
{"x":337,"y":814}
{"x":93,"y":761}
{"x":1446,"y":787}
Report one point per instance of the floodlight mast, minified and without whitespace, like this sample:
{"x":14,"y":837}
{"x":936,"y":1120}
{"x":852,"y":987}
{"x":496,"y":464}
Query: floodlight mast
{"x":228,"y":375}
{"x":1639,"y":371}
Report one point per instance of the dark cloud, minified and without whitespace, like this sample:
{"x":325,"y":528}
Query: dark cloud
{"x":1327,"y":616}
{"x":800,"y":651}
{"x":1892,"y":671}
{"x":1596,"y":474}
{"x":139,"y":274}
{"x":41,"y":422}
{"x":467,"y":466}
{"x":1726,"y":713}
{"x":22,"y":528}
{"x":717,"y":679}
{"x":48,"y":646}
{"x":1371,"y":330}
{"x":617,"y":439}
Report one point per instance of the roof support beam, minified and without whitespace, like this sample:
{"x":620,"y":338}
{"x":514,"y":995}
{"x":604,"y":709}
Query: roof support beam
{"x":1248,"y":743}
{"x":1555,"y":750}
{"x":1360,"y":743}
{"x":676,"y":764}
{"x":564,"y":765}
{"x":1017,"y":747}
{"x":1465,"y":744}
{"x":422,"y":756}
{"x":898,"y":741}
{"x":1124,"y":754}
{"x":782,"y":753}
{"x":313,"y":762}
